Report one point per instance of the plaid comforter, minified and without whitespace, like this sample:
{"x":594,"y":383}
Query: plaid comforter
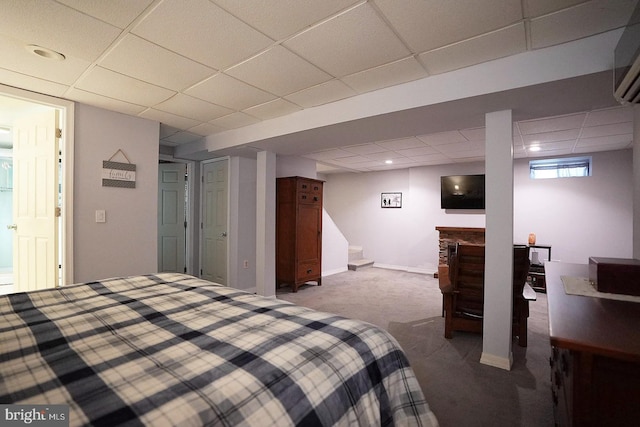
{"x":171,"y":349}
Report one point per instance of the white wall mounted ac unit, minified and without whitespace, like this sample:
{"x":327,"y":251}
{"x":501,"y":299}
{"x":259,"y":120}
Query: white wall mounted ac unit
{"x":627,"y":62}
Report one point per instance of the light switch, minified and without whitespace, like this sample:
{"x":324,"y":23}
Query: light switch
{"x":101,"y":216}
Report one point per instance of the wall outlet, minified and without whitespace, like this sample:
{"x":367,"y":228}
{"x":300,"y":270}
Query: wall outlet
{"x":245,"y":264}
{"x":101,"y":216}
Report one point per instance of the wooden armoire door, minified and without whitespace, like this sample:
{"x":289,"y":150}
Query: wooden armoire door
{"x":298,"y":231}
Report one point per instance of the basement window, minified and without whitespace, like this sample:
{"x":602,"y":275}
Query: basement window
{"x":560,"y":168}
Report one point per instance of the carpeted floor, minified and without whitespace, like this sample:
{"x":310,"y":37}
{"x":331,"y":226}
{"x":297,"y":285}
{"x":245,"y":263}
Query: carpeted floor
{"x":460,"y":390}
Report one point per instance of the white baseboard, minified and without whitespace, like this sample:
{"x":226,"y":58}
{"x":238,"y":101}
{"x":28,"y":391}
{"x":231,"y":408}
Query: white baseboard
{"x":497,"y":361}
{"x":334,"y":271}
{"x":416,"y":270}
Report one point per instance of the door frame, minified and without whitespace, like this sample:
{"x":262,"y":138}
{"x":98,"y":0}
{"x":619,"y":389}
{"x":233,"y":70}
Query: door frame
{"x":67,"y":114}
{"x":202,"y":207}
{"x":191,"y":212}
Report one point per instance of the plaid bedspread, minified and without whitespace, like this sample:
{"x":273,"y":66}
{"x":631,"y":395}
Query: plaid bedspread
{"x":171,"y":349}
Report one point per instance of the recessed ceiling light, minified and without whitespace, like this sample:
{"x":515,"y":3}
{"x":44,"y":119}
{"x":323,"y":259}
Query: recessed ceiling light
{"x":44,"y":52}
{"x":388,"y":161}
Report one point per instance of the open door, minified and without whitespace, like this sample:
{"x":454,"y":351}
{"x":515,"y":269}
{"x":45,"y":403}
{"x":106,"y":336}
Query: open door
{"x":35,"y":201}
{"x":214,"y":221}
{"x":172,"y":224}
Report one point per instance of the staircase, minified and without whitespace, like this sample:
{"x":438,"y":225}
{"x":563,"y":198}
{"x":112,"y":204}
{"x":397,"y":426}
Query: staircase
{"x":356,"y":259}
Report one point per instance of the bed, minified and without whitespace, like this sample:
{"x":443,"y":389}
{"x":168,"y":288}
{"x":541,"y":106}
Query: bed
{"x":172,"y":349}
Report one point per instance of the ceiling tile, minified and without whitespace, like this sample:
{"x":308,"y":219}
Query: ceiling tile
{"x":205,"y":129}
{"x":229,"y":92}
{"x":12,"y":78}
{"x":431,"y":158}
{"x":555,"y":146}
{"x":551,"y":124}
{"x":595,"y":17}
{"x":143,"y":60}
{"x":497,"y":44}
{"x":607,"y":130}
{"x":475,"y":134}
{"x":365,"y":149}
{"x":24,"y":62}
{"x":608,"y":147}
{"x":272,"y":109}
{"x":561,"y":135}
{"x":279,"y":71}
{"x":113,"y":85}
{"x":402,"y":143}
{"x":96,"y":100}
{"x":234,"y":120}
{"x":534,"y":8}
{"x":605,"y":140}
{"x":116,"y":12}
{"x":168,"y":118}
{"x":429,"y":24}
{"x":440,"y":138}
{"x":466,"y":154}
{"x":348,"y":43}
{"x":397,"y":72}
{"x":456,"y":147}
{"x":418,"y":151}
{"x":184,"y":105}
{"x":354,"y":160}
{"x":58,"y":27}
{"x":328,"y":154}
{"x":609,"y":116}
{"x":182,"y":138}
{"x":386,"y":155}
{"x":189,"y":32}
{"x":324,"y":93}
{"x":282,"y":18}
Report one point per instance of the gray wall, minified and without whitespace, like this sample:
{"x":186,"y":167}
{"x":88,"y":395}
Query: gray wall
{"x":578,"y":217}
{"x":126,"y":243}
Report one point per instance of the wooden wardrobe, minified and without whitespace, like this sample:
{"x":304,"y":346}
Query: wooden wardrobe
{"x":298,"y":231}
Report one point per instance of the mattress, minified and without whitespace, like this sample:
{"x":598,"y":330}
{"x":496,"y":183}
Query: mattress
{"x":172,"y":349}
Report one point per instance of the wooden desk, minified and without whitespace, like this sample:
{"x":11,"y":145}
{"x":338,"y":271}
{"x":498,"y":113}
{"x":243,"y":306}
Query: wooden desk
{"x":595,"y":358}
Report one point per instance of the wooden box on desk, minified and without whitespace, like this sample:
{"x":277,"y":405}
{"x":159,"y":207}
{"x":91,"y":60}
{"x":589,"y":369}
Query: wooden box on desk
{"x":615,"y":275}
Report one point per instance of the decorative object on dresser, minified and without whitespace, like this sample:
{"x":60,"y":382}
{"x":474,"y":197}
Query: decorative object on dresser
{"x":298,"y":231}
{"x":595,"y":354}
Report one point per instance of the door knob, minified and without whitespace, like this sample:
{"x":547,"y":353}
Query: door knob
{"x":12,"y":227}
{"x":223,"y":234}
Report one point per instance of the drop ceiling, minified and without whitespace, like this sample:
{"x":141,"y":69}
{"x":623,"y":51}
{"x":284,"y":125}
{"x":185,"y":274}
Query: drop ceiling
{"x":203,"y":67}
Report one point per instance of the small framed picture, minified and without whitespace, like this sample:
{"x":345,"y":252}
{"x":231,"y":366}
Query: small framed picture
{"x":391,"y":200}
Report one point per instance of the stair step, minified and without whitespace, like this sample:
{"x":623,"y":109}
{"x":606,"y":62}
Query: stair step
{"x":355,"y":253}
{"x":360,"y":263}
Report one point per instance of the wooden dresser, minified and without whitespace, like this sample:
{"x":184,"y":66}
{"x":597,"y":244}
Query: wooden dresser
{"x":298,"y":231}
{"x":595,"y":354}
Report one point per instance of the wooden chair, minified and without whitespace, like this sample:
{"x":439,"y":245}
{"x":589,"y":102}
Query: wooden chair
{"x":464,"y":297}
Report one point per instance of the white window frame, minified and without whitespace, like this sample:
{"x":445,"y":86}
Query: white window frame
{"x":566,"y":167}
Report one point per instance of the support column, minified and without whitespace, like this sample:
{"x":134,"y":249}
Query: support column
{"x":266,"y":224}
{"x":498,"y":276}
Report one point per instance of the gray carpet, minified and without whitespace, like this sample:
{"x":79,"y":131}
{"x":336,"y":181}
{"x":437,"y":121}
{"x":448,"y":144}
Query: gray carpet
{"x":460,"y":390}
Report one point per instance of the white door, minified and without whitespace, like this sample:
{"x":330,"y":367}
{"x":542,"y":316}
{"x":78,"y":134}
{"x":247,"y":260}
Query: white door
{"x":35,"y":202}
{"x":172,"y":224}
{"x":214,"y":221}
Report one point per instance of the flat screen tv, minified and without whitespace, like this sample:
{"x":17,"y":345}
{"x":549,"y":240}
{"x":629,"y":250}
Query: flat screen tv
{"x":462,"y":192}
